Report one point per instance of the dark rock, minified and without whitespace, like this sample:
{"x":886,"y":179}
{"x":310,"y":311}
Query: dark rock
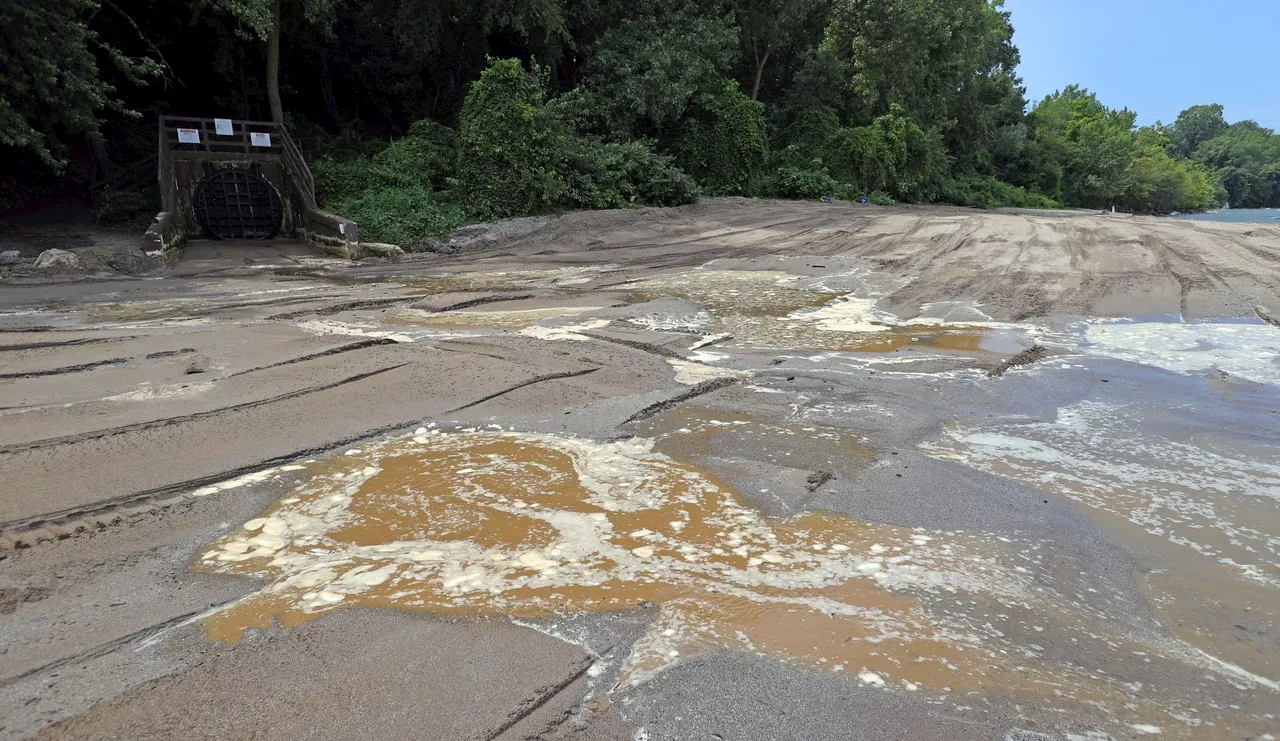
{"x":1026,"y":357}
{"x":817,"y":479}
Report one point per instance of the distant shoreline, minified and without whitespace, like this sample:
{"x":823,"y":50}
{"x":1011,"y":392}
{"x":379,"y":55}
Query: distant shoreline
{"x":1245,"y":215}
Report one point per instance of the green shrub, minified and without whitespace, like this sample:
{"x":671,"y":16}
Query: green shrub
{"x":518,"y":156}
{"x":617,"y":174}
{"x":399,"y":215}
{"x":427,"y":155}
{"x":640,"y":175}
{"x":987,"y":192}
{"x":508,"y":144}
{"x":891,"y":154}
{"x":808,"y":136}
{"x":513,"y":155}
{"x":341,"y":179}
{"x":1159,"y":183}
{"x":725,"y":147}
{"x":133,"y":209}
{"x":793,"y":182}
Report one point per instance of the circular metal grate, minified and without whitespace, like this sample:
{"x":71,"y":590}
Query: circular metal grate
{"x":238,"y":204}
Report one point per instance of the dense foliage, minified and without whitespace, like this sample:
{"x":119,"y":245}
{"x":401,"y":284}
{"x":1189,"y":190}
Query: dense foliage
{"x":50,"y":82}
{"x":514,"y":153}
{"x":421,"y":115}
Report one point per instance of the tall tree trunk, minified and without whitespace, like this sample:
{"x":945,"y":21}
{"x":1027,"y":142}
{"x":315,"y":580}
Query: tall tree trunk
{"x":273,"y":65}
{"x":755,"y":89}
{"x":326,"y":90}
{"x":101,"y":165}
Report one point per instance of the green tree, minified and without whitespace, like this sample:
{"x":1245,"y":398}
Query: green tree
{"x":518,"y":156}
{"x":891,"y":154}
{"x":649,"y":72}
{"x":411,"y":59}
{"x":920,"y":54}
{"x":777,"y":28}
{"x":1083,"y":149}
{"x":1100,"y":149}
{"x":808,"y":138}
{"x":1194,"y":126}
{"x":725,"y":146}
{"x":1247,"y":159}
{"x":1159,"y":183}
{"x":51,"y":86}
{"x":509,"y":139}
{"x":263,"y":20}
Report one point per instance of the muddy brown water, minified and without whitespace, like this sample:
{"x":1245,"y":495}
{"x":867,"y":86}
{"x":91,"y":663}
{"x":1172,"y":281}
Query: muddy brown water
{"x":768,"y":308}
{"x":758,"y":308}
{"x":536,"y":526}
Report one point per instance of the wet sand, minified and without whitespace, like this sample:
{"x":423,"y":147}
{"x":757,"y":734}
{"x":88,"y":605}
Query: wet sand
{"x":745,"y":469}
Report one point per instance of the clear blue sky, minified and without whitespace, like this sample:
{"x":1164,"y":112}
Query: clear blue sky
{"x":1155,"y":57}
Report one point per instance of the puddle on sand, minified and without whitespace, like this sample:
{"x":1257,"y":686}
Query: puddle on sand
{"x":962,"y":339}
{"x":769,"y":308}
{"x":142,"y":311}
{"x":538,"y":526}
{"x":694,"y":432}
{"x":732,"y":292}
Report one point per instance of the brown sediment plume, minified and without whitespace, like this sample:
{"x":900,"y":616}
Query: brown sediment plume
{"x":538,"y":526}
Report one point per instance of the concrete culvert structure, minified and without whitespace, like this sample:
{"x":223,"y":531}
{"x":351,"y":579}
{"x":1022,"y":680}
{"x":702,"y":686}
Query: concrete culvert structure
{"x":227,"y":179}
{"x":237,"y":203}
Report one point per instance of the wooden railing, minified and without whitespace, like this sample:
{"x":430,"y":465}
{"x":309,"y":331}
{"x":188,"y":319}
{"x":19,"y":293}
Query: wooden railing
{"x":298,"y":168}
{"x":239,"y":141}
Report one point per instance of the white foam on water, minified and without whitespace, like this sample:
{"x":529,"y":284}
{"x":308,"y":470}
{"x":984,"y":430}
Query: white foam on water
{"x":330,"y":327}
{"x":570,"y":332}
{"x":709,"y":340}
{"x":147,"y":392}
{"x":959,"y":312}
{"x":1106,"y":456}
{"x":692,"y":374}
{"x":671,"y":322}
{"x":1250,"y":351}
{"x":847,"y":314}
{"x":235,"y":483}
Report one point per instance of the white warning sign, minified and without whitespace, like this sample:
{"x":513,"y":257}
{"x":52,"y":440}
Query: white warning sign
{"x":259,"y":139}
{"x":189,"y":136}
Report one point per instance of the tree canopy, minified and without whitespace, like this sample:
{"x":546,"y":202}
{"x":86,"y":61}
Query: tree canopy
{"x":430,"y":113}
{"x":51,"y":86}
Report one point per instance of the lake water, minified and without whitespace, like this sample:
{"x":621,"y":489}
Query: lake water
{"x":1236,"y":214}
